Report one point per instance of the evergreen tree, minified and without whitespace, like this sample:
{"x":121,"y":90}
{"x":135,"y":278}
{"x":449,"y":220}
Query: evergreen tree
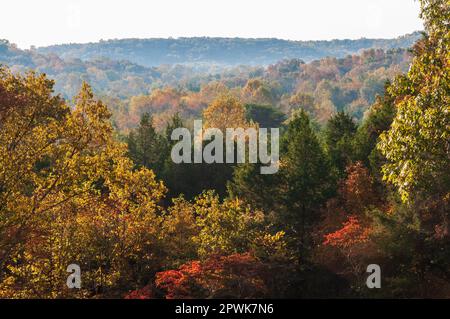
{"x":265,"y":115}
{"x":339,"y":134}
{"x":145,"y":146}
{"x":305,"y":174}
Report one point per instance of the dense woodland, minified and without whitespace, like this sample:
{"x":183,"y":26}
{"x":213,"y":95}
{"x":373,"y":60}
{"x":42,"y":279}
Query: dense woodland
{"x":364,"y":171}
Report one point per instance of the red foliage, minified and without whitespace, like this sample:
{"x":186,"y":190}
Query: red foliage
{"x":143,"y":293}
{"x":356,"y":194}
{"x":181,"y":283}
{"x":351,"y":233}
{"x":238,"y":275}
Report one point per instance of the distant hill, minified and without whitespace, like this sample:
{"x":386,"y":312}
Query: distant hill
{"x":321,"y":87}
{"x":221,"y":51}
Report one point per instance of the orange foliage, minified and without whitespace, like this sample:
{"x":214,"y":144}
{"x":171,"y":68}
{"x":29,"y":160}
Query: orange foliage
{"x":350,"y":234}
{"x":238,"y":275}
{"x":357,"y":190}
{"x":143,"y":293}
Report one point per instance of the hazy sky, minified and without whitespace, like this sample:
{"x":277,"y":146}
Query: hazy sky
{"x":45,"y":22}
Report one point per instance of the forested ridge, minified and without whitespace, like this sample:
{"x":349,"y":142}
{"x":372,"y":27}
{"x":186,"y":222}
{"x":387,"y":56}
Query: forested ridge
{"x":222,"y":51}
{"x":363,"y":175}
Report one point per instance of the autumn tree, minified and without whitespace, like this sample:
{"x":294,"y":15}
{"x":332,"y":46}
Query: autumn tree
{"x":179,"y":230}
{"x":416,"y":146}
{"x":257,"y":91}
{"x":302,"y":101}
{"x":352,"y":242}
{"x":29,"y":127}
{"x":232,"y":227}
{"x":69,"y":195}
{"x":226,"y":111}
{"x":218,"y":276}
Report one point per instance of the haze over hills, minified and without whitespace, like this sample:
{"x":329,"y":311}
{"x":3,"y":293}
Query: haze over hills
{"x":167,"y":76}
{"x":221,"y":51}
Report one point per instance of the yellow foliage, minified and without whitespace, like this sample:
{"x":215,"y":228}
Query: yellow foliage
{"x":68,"y":194}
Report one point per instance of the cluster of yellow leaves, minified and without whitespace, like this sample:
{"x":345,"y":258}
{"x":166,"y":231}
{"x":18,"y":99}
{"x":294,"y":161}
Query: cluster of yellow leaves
{"x":68,"y":194}
{"x":226,"y":111}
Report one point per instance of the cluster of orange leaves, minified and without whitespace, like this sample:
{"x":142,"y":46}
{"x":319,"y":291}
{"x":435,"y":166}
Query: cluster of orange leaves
{"x":179,"y":284}
{"x":351,"y":233}
{"x":218,"y":276}
{"x":143,"y":293}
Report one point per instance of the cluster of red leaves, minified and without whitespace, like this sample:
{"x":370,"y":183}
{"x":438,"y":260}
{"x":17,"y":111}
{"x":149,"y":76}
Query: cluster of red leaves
{"x":181,"y":283}
{"x":143,"y":293}
{"x":350,"y":234}
{"x":238,"y":275}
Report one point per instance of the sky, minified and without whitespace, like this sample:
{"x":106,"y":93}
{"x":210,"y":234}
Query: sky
{"x":46,"y":22}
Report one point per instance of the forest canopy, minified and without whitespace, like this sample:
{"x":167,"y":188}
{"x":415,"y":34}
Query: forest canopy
{"x":87,"y":178}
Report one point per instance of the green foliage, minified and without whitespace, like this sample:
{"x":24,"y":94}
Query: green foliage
{"x":416,"y":146}
{"x":225,"y":227}
{"x":339,"y":134}
{"x":297,"y":191}
{"x":147,"y":148}
{"x":265,"y":115}
{"x":248,"y":184}
{"x":378,"y":120}
{"x":305,"y":173}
